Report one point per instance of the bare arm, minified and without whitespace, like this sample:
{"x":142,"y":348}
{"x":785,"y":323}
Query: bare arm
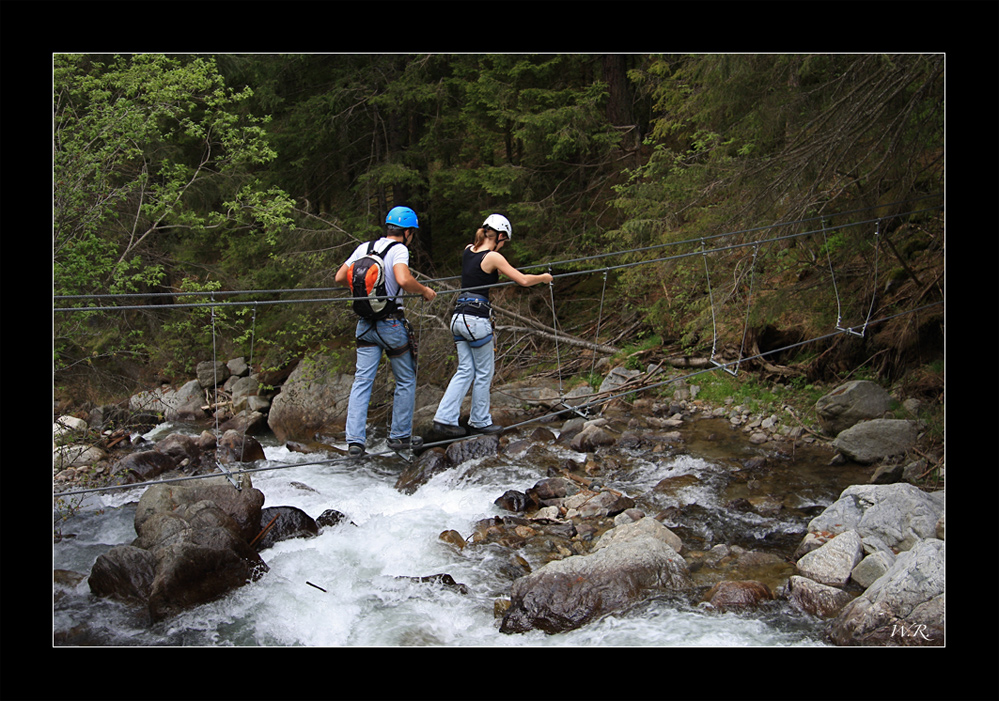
{"x":342,"y":277}
{"x":496,"y":261}
{"x":410,"y":284}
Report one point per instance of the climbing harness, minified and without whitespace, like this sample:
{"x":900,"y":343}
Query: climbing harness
{"x":390,"y":351}
{"x":236,"y":475}
{"x":471,"y":305}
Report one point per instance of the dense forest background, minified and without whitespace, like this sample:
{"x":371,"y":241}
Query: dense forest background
{"x":815,"y":181}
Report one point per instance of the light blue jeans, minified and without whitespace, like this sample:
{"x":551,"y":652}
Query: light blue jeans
{"x":475,"y":370}
{"x":386,"y":335}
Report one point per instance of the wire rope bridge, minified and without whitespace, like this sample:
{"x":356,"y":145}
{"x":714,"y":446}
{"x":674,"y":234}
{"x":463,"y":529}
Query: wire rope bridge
{"x":704,"y":247}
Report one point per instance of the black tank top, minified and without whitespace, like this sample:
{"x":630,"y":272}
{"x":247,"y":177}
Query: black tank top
{"x":472,"y":274}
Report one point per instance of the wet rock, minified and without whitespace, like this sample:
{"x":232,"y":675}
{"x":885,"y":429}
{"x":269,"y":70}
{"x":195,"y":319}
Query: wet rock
{"x":444,"y":580}
{"x":124,"y":572}
{"x":243,"y":505}
{"x":234,"y":447}
{"x":419,"y":472}
{"x":284,"y":523}
{"x":330,"y":518}
{"x":453,"y":537}
{"x":191,"y":547}
{"x":672,"y":485}
{"x":247,"y":422}
{"x":512,"y":500}
{"x":144,"y":465}
{"x":542,"y":435}
{"x":566,"y":594}
{"x":606,"y":503}
{"x":591,"y":438}
{"x":631,"y":515}
{"x":635,"y":440}
{"x":213,"y":562}
{"x":816,"y":599}
{"x":550,"y":489}
{"x":471,"y":449}
{"x":730,"y":595}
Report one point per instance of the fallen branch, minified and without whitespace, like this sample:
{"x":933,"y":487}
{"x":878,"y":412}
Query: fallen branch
{"x":539,"y":329}
{"x":266,"y":528}
{"x":562,"y":338}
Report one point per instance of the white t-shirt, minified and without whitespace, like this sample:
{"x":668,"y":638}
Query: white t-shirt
{"x":397,"y":254}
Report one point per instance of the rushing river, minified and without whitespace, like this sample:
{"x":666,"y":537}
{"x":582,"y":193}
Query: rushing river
{"x":354,"y":585}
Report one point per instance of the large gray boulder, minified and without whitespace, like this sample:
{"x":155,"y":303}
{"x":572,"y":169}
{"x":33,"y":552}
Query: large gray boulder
{"x":833,"y":563}
{"x":633,"y":563}
{"x":817,"y":599}
{"x":850,"y":403}
{"x":246,"y":394}
{"x":212,"y":373}
{"x":312,"y":404}
{"x":870,"y":441}
{"x":906,"y":606}
{"x":893,"y":516}
{"x":242,"y":505}
{"x":192,"y":546}
{"x":174,"y":404}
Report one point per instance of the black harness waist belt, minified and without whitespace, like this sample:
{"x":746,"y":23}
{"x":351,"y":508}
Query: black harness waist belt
{"x":473,"y":305}
{"x":389,"y":351}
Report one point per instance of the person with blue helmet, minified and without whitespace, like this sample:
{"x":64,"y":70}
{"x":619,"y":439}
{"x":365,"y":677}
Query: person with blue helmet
{"x":471,"y":326}
{"x":391,"y":335}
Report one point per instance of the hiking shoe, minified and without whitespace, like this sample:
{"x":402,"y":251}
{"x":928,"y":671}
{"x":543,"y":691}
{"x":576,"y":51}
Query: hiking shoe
{"x":491,"y":428}
{"x":355,"y":450}
{"x":407,"y":443}
{"x":448,"y":429}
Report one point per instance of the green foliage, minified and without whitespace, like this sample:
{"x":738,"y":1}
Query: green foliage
{"x":190,"y":337}
{"x":718,"y":387}
{"x":152,"y":153}
{"x":261,"y":172}
{"x":632,"y":353}
{"x":143,"y":143}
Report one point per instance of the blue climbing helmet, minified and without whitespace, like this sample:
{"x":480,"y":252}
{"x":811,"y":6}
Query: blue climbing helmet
{"x":403,"y":217}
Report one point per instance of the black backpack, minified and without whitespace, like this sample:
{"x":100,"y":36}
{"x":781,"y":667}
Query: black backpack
{"x":367,"y":284}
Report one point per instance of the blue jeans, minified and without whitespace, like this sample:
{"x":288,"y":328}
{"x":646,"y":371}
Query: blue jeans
{"x":475,"y":370}
{"x":385,"y":335}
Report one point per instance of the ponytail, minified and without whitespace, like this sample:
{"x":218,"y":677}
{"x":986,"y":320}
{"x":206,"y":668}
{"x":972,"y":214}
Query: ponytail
{"x":481,"y":235}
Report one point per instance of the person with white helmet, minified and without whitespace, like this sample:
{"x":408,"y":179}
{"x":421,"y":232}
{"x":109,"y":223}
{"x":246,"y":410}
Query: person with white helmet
{"x":387,"y":332}
{"x":471,"y":325}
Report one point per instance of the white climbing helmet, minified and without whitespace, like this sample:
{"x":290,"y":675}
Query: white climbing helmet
{"x":497,"y":222}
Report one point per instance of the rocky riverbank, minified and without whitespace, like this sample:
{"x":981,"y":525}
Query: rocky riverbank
{"x":585,"y":547}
